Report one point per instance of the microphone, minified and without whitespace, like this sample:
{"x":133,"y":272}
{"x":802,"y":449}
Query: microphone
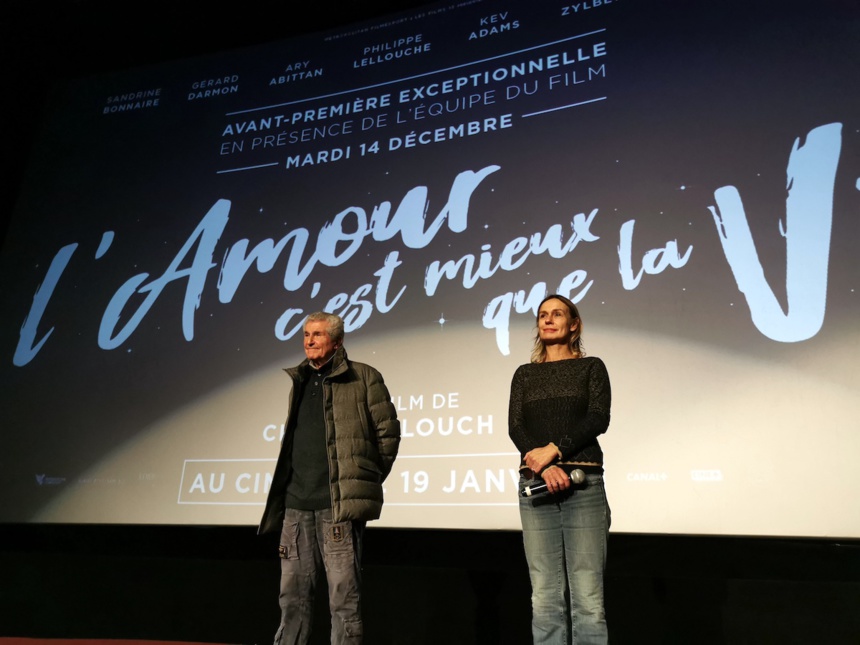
{"x":576,"y":476}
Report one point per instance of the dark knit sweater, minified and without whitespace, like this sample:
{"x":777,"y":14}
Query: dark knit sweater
{"x":562,"y":402}
{"x":308,"y":488}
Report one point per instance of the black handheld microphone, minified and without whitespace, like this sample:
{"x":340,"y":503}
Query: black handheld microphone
{"x":576,"y":476}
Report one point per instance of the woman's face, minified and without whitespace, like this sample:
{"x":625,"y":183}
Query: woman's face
{"x":555,"y":324}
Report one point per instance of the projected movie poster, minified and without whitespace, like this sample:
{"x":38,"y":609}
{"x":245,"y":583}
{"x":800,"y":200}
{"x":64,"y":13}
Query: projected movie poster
{"x":687,"y":174}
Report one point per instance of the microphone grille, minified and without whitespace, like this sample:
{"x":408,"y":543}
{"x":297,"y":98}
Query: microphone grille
{"x":577,"y":476}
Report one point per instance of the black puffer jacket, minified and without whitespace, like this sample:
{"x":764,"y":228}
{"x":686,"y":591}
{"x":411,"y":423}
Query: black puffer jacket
{"x":362,"y":438}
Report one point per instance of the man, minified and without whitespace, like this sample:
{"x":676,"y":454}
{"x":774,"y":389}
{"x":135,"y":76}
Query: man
{"x":340,"y":441}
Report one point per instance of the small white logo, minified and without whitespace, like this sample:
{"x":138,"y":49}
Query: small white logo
{"x":45,"y":480}
{"x":713,"y":475}
{"x":647,"y":477}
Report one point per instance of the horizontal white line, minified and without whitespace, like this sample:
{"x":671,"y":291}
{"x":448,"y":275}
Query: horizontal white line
{"x":564,"y":107}
{"x":439,"y":504}
{"x":262,"y":165}
{"x":221,"y":503}
{"x":477,"y":454}
{"x":450,"y":504}
{"x":191,"y":461}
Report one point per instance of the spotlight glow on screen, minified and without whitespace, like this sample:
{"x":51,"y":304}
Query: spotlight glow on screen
{"x":689,"y":176}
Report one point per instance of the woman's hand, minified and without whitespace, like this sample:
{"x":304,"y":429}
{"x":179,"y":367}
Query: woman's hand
{"x":540,"y":458}
{"x":556,"y":479}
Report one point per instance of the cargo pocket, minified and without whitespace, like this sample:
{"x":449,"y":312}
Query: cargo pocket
{"x":338,"y":549}
{"x":353,"y":629}
{"x":288,"y":549}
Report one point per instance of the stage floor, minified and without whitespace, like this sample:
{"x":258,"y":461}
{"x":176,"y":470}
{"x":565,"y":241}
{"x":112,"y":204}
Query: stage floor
{"x":94,"y":641}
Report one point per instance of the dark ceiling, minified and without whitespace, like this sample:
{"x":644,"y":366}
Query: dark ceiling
{"x":96,"y":35}
{"x":42,"y":41}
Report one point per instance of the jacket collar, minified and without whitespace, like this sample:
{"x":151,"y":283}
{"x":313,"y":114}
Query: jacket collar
{"x":338,"y":364}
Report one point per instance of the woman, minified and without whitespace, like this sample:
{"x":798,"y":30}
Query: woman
{"x":559,"y":406}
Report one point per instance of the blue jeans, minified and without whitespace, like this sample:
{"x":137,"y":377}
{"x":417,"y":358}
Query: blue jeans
{"x":565,"y":542}
{"x":309,"y":541}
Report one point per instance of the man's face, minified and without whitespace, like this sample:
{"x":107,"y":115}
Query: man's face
{"x":319,"y":347}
